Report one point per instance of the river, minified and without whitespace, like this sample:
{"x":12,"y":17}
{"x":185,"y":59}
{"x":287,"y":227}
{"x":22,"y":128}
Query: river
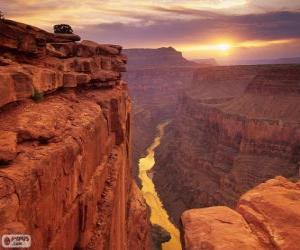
{"x":159,"y":215}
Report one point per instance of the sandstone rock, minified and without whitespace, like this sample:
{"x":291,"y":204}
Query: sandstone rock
{"x":119,"y":64}
{"x":44,"y":79}
{"x":7,"y":90}
{"x":73,"y":79}
{"x":105,"y":75}
{"x":13,"y":38}
{"x":106,"y":63}
{"x":45,"y":62}
{"x":66,"y":37}
{"x":217,"y":228}
{"x":23,"y":84}
{"x":272,"y":210}
{"x":54,"y":52}
{"x":64,"y":160}
{"x":8,"y":146}
{"x":85,"y":65}
{"x":66,"y":49}
{"x":102,"y":49}
{"x":138,"y":221}
{"x":84,"y":51}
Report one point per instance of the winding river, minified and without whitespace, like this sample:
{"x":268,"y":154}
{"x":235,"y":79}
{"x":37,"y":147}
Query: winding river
{"x":159,"y":215}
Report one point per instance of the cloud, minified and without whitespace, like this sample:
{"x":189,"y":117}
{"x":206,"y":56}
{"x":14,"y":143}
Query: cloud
{"x":203,"y":28}
{"x":155,"y":23}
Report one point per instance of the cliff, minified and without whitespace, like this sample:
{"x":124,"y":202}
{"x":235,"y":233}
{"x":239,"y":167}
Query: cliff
{"x":266,"y":217}
{"x":235,"y":127}
{"x":65,"y":175}
{"x":154,"y":87}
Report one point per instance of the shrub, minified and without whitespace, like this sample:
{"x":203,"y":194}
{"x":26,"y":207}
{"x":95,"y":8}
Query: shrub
{"x":37,"y":96}
{"x":63,"y":29}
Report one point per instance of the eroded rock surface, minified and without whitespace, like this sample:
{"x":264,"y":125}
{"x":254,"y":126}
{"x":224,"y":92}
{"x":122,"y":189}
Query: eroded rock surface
{"x":235,"y":127}
{"x":266,"y":217}
{"x":65,"y":174}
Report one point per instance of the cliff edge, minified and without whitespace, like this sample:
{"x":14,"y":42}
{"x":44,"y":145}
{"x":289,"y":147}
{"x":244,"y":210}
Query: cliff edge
{"x":65,"y":174}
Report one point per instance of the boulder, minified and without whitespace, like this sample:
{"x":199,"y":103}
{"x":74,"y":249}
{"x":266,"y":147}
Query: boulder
{"x":217,"y":228}
{"x":272,"y":210}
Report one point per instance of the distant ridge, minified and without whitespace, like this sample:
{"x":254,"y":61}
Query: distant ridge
{"x":161,"y":57}
{"x":291,"y":60}
{"x":207,"y":61}
{"x":287,"y":60}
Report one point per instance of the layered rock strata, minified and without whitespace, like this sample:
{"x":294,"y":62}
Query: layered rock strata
{"x":65,"y":174}
{"x":156,"y":78}
{"x":267,"y":217}
{"x":235,"y":127}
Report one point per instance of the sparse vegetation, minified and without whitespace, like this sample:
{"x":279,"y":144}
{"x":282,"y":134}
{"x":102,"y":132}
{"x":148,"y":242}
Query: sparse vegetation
{"x":37,"y":95}
{"x":63,"y":29}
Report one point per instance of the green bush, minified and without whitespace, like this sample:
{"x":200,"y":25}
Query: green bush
{"x":37,"y":96}
{"x":63,"y":29}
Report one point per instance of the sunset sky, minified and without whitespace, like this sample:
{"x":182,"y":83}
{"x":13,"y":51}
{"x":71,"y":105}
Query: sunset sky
{"x":224,"y":29}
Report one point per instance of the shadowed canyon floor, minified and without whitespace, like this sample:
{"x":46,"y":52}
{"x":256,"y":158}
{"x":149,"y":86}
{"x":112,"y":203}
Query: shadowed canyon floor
{"x":159,"y":215}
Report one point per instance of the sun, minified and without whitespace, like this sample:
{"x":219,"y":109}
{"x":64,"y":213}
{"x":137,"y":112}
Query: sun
{"x":223,"y":47}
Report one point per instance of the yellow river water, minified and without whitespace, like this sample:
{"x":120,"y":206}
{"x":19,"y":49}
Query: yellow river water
{"x":159,"y":215}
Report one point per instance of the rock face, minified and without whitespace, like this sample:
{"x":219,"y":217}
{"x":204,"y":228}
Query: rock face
{"x":235,"y":127}
{"x":65,"y":174}
{"x":156,"y":77}
{"x":159,"y":236}
{"x":266,"y":217}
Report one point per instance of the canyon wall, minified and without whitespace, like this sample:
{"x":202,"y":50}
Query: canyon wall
{"x":266,"y":217}
{"x":156,"y":78}
{"x":65,"y":113}
{"x":235,"y":127}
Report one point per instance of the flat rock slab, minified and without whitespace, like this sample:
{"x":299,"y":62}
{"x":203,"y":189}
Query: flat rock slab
{"x":218,"y":228}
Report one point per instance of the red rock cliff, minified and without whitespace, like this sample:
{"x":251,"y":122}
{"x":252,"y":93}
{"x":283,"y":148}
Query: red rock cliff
{"x":235,"y":127}
{"x":65,"y":143}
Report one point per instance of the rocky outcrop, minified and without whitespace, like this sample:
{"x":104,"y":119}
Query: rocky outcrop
{"x":65,"y":174}
{"x":266,"y":217}
{"x":235,"y":127}
{"x":154,"y":86}
{"x":159,"y":236}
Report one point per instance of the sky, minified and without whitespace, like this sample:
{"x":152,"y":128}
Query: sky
{"x":221,"y":29}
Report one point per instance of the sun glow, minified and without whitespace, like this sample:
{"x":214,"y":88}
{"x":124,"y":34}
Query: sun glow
{"x":223,"y":47}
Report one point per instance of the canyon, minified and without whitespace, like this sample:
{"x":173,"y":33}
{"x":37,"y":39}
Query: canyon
{"x":156,"y":78}
{"x":213,"y":150}
{"x":235,"y":127}
{"x":65,"y":175}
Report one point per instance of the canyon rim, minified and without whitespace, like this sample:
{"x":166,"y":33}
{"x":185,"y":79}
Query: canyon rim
{"x":149,"y":125}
